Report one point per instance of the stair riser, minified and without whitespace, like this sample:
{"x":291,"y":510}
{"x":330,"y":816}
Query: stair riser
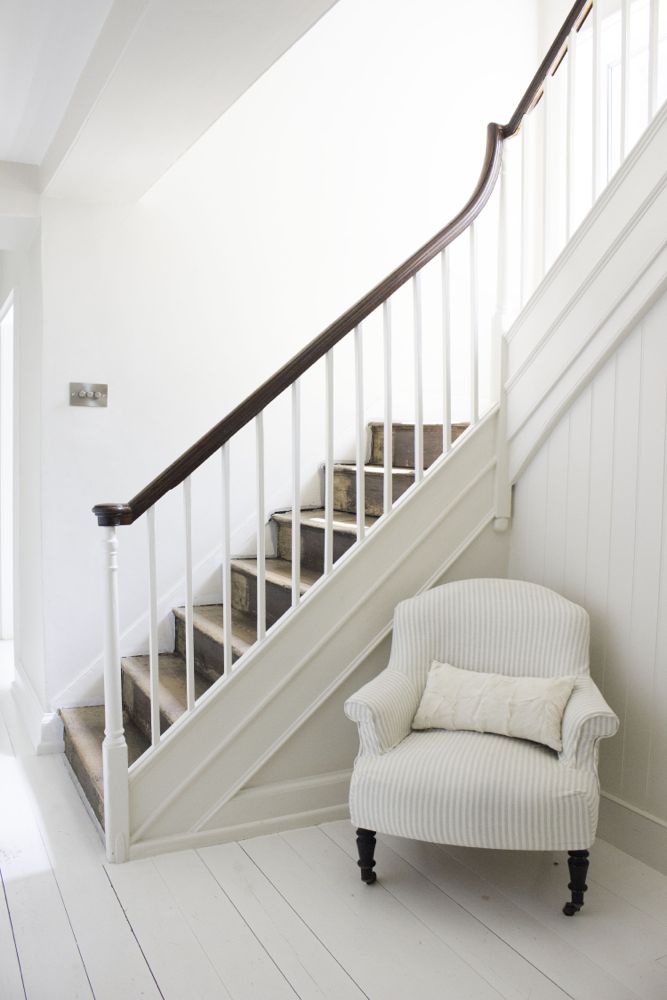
{"x":91,"y":791}
{"x":403,"y":444}
{"x":137,"y":705}
{"x":345,"y":487}
{"x":209,"y":653}
{"x":244,"y":596}
{"x":312,"y":545}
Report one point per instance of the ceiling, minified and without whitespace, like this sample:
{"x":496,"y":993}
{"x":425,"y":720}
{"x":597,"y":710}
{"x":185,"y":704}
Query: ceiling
{"x":44,"y":46}
{"x":105,"y":95}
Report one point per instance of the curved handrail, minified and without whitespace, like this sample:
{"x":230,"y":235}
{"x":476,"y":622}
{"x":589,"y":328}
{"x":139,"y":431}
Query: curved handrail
{"x":109,"y":514}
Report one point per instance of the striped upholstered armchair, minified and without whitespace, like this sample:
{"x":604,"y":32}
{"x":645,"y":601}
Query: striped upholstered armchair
{"x":479,"y":789}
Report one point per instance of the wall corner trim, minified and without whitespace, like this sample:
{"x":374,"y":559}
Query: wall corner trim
{"x":634,"y":831}
{"x":44,"y":729}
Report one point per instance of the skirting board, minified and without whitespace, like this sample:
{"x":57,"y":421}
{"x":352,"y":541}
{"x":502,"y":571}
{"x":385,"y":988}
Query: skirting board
{"x":637,"y":833}
{"x":263,"y":809}
{"x":44,"y":729}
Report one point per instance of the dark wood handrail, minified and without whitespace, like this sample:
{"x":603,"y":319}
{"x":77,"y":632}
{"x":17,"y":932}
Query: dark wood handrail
{"x":109,"y":514}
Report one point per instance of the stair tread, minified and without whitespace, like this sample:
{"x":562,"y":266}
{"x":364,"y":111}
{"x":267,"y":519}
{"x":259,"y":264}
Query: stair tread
{"x":172,"y":694}
{"x":342,"y":520}
{"x":408,"y":427}
{"x":84,"y":731}
{"x":208,"y":618}
{"x":373,"y":470}
{"x":278,"y":571}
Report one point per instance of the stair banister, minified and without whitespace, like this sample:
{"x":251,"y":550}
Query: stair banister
{"x":111,"y":515}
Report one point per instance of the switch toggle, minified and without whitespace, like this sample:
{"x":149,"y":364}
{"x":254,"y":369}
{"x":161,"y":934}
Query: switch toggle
{"x":88,"y":394}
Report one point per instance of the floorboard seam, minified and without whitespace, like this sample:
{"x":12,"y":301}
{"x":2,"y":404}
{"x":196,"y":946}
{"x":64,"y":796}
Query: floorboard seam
{"x":11,"y":927}
{"x":129,"y":924}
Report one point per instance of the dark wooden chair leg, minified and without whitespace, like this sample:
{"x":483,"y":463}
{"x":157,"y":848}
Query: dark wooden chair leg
{"x":578,"y":864}
{"x":366,"y":848}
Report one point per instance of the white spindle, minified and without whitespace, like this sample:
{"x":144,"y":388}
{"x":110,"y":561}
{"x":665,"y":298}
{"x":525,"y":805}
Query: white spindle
{"x":388,"y":445}
{"x":296,"y":493}
{"x":418,"y":377}
{"x":625,"y":76}
{"x":546,"y":173}
{"x":189,"y":624}
{"x":226,"y":561}
{"x":153,"y":650}
{"x":653,"y":35}
{"x":524,"y":230}
{"x":114,"y":747}
{"x":446,"y":353}
{"x":474,"y":329}
{"x":504,"y":256}
{"x":595,"y":109}
{"x":328,"y":462}
{"x":261,"y":529}
{"x":570,"y":125}
{"x":360,"y":432}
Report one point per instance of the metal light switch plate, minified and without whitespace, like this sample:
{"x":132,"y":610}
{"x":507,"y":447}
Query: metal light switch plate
{"x":88,"y":394}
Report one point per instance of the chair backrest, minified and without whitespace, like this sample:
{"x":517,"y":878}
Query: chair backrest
{"x":501,"y":626}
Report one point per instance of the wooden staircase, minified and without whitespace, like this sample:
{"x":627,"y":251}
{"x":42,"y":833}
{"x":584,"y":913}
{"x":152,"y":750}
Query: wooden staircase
{"x":84,"y":727}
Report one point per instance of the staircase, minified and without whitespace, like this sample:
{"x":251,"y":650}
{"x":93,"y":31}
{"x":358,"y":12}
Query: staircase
{"x":84,"y":727}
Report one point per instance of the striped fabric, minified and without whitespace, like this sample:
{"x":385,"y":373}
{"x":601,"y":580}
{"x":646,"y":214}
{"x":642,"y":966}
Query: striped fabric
{"x":478,"y":789}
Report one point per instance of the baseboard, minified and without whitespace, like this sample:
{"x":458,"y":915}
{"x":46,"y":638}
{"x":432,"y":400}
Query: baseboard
{"x":264,"y":809}
{"x":44,"y":729}
{"x":634,"y":831}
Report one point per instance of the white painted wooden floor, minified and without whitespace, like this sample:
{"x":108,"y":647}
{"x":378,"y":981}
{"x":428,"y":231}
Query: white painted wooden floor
{"x":286,"y":916}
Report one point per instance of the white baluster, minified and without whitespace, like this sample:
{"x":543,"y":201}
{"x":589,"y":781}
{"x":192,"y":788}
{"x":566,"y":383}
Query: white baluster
{"x":524,"y":230}
{"x":625,"y":76}
{"x":570,"y":125}
{"x":546,"y":173}
{"x":474,"y":329}
{"x":360,"y":432}
{"x":189,"y":624}
{"x":261,"y":528}
{"x":653,"y":64}
{"x":296,"y":493}
{"x":328,"y":462}
{"x":388,"y":447}
{"x":595,"y":109}
{"x":419,"y":378}
{"x":446,"y":352}
{"x":153,"y":648}
{"x":226,"y":561}
{"x":501,"y":317}
{"x":114,"y":747}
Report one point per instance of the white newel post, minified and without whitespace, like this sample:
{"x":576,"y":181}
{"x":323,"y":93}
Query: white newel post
{"x":114,"y":748}
{"x":503,"y":489}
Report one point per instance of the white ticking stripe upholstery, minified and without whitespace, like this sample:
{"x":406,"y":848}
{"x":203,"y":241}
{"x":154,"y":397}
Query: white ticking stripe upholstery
{"x":478,"y":789}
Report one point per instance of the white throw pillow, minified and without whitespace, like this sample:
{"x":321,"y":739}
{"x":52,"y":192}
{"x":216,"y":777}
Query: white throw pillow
{"x":530,"y":708}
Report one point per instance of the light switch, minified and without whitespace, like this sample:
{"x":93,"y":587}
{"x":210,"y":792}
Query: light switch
{"x":88,"y":394}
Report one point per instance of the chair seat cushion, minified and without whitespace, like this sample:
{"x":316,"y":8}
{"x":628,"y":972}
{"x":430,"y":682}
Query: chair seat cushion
{"x":476,"y":790}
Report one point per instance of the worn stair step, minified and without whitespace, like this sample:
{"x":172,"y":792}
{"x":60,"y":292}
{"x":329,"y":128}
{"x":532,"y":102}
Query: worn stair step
{"x":209,"y":637}
{"x":312,"y":529}
{"x":84,"y":733}
{"x":403,"y":443}
{"x":135,"y":673}
{"x":345,"y":487}
{"x":278,"y":587}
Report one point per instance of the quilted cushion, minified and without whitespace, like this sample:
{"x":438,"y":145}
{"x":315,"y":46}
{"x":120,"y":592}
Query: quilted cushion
{"x":475,"y":789}
{"x":530,"y":708}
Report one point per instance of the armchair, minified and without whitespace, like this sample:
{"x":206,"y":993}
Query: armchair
{"x":480,"y":789}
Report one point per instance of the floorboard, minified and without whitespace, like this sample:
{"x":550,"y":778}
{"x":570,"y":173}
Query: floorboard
{"x":311,"y":969}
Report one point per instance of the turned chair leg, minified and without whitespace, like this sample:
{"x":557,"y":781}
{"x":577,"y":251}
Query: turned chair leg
{"x":366,"y":848}
{"x":578,"y":864}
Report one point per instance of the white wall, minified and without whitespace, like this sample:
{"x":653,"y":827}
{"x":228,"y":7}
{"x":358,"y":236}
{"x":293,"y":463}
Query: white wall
{"x":346,"y":155}
{"x":591,"y":522}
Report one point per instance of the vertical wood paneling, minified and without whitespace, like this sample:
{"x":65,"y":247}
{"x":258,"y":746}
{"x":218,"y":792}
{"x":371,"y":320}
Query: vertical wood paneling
{"x":590,"y":520}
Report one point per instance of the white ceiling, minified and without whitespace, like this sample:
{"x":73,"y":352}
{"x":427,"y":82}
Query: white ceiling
{"x":44,"y":45}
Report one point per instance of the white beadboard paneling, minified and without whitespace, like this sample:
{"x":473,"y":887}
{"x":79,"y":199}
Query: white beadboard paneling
{"x":591,"y":522}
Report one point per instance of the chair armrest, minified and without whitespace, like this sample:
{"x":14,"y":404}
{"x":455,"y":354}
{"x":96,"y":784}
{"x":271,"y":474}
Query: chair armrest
{"x":586,"y":720}
{"x":383,"y":710}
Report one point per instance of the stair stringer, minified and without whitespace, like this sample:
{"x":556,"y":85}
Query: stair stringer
{"x":206,"y":759}
{"x":608,"y":275}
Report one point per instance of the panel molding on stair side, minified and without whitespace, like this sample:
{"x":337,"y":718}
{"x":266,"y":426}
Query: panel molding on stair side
{"x":237,"y":726}
{"x":607,"y":276}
